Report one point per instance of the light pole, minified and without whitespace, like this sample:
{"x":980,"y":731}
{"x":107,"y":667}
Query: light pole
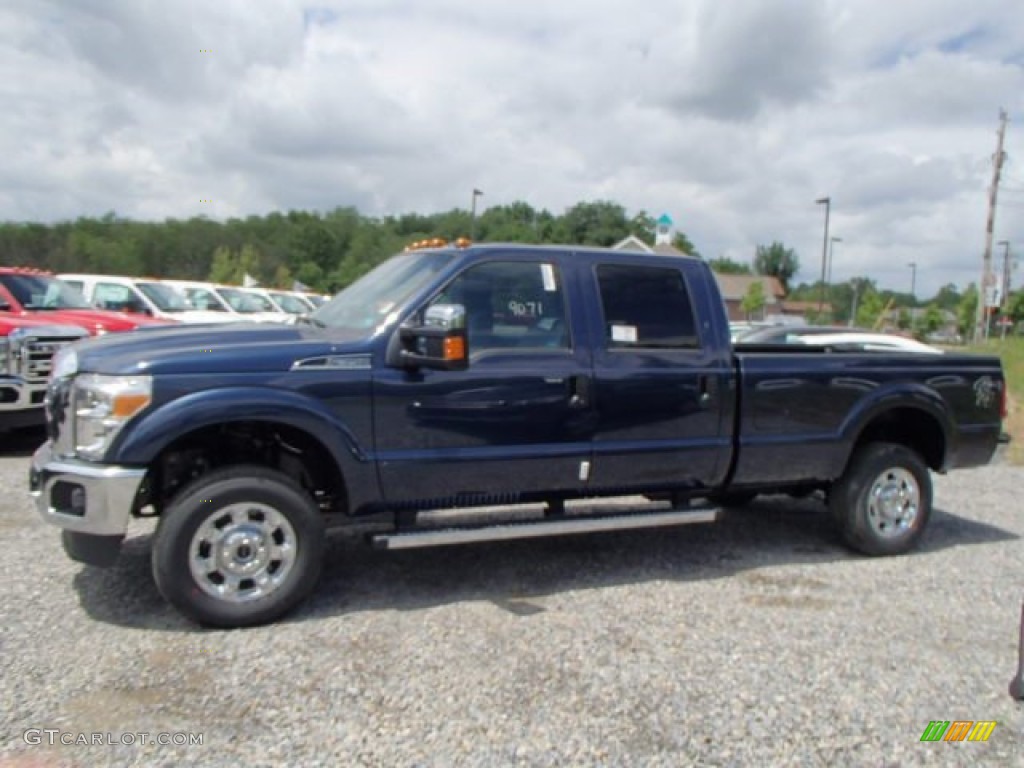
{"x":827,"y":202}
{"x":855,"y":285}
{"x":913,"y":279}
{"x":1004,"y":285}
{"x":472,"y":216}
{"x":831,"y":255}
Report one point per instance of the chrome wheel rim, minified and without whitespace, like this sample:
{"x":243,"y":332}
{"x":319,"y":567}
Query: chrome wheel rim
{"x":242,"y":552}
{"x":894,"y":502}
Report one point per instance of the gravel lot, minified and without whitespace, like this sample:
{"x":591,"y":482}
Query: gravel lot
{"x":754,"y":641}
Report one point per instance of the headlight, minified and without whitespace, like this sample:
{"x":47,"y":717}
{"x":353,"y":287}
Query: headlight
{"x":3,"y":356}
{"x":103,"y":405}
{"x":65,"y":363}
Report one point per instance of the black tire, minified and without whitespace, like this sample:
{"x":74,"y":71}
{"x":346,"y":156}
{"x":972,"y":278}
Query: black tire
{"x":874,"y":528}
{"x":273,"y":531}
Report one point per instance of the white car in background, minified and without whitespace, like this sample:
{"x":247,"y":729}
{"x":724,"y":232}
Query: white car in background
{"x":868,"y":342}
{"x":138,"y":295}
{"x":252,"y":302}
{"x":288,"y":301}
{"x":210,"y":297}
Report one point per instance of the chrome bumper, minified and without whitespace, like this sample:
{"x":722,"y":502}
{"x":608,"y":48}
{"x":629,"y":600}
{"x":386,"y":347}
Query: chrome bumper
{"x":17,"y":394}
{"x":83,"y":497}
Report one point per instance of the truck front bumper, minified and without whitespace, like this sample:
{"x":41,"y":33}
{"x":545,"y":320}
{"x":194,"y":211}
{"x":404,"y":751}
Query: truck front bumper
{"x":82,"y":497}
{"x":21,"y":403}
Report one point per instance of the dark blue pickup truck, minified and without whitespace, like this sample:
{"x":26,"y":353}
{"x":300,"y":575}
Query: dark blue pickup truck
{"x":482,"y":375}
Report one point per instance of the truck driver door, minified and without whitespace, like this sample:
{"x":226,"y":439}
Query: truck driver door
{"x":517,"y":421}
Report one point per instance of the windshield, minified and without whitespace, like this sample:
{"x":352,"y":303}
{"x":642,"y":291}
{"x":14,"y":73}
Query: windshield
{"x":369,"y":301}
{"x":290,"y":304}
{"x":43,"y":292}
{"x":200,"y":298}
{"x":165,"y":297}
{"x":245,"y":302}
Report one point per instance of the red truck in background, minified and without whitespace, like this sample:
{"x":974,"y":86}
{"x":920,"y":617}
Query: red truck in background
{"x":39,"y":314}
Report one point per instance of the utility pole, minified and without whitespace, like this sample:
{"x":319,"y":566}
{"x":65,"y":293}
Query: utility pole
{"x":472,"y":216}
{"x":913,"y":280}
{"x":827,"y":202}
{"x":855,"y":284}
{"x":981,"y":319}
{"x":831,"y":256}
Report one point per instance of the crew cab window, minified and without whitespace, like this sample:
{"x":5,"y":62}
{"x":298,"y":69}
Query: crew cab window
{"x":117,"y":297}
{"x":646,"y":307}
{"x":511,"y":305}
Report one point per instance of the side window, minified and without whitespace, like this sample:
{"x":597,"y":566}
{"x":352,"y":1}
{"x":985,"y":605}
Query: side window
{"x":511,"y":305}
{"x":646,"y":307}
{"x":116,"y":297}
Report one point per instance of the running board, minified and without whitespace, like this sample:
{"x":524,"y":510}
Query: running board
{"x":434,"y":537}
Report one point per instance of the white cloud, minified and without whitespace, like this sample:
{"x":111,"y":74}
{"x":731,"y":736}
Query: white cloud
{"x":732,"y":117}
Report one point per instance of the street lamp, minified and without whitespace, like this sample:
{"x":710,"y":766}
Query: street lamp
{"x":831,"y":254}
{"x":827,"y":202}
{"x":913,"y":279}
{"x":472,"y":217}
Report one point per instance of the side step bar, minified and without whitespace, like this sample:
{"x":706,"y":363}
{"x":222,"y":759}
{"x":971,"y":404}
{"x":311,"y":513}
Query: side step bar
{"x":434,"y":537}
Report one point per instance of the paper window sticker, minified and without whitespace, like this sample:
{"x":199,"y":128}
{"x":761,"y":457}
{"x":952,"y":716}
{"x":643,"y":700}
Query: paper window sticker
{"x":547,"y":274}
{"x":624,"y":333}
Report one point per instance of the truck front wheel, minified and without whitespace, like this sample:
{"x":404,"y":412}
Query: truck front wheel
{"x":239,"y":547}
{"x":883,"y":501}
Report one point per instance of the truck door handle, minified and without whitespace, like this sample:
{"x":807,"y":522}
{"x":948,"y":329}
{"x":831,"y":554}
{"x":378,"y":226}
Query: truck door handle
{"x":703,"y":390}
{"x":579,"y":392}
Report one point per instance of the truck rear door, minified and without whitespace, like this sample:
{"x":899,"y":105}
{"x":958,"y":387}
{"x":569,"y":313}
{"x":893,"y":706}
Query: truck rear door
{"x":664,"y":394}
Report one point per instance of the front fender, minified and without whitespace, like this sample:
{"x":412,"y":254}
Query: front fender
{"x":142,"y":441}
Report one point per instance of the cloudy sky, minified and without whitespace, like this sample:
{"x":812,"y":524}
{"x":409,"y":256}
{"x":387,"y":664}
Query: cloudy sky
{"x":732,"y":117}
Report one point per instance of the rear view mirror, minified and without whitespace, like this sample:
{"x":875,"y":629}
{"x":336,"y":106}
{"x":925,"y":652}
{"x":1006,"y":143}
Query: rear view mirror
{"x":440,"y":342}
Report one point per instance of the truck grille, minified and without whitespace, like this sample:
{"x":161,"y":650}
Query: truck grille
{"x":36,"y":357}
{"x":32,"y":349}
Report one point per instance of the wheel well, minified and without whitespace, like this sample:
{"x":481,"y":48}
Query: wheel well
{"x":911,"y":427}
{"x":287,"y":449}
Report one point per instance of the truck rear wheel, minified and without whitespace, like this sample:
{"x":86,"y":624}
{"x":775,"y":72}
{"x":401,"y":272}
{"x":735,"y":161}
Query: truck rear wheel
{"x":239,"y":547}
{"x":883,"y":501}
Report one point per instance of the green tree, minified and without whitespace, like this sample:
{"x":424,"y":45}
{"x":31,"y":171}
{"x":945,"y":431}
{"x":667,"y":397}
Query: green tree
{"x":681,"y":242}
{"x":753,"y":300}
{"x":948,"y":297}
{"x":928,"y":322}
{"x":231,"y":267}
{"x":723,"y":265}
{"x":870,"y":308}
{"x":597,"y":223}
{"x":903,"y":320}
{"x":1015,"y":307}
{"x":776,"y":260}
{"x":966,"y":311}
{"x":222,"y":269}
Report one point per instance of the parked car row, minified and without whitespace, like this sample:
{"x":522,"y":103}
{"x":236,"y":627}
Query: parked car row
{"x":189,"y":301}
{"x":41,"y":312}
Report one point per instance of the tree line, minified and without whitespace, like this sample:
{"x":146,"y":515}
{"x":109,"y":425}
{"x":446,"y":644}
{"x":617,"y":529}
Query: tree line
{"x":327,"y":251}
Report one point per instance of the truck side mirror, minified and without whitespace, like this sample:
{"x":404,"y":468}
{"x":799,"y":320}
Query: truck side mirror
{"x":439,"y":343}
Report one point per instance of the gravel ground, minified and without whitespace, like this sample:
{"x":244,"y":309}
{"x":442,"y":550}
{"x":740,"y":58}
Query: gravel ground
{"x":754,"y":641}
